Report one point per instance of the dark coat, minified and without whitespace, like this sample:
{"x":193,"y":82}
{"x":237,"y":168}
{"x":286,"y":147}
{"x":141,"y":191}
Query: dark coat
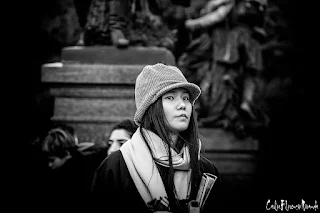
{"x":114,"y":190}
{"x":61,"y":189}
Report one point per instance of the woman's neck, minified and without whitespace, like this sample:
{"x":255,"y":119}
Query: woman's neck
{"x":176,"y":143}
{"x":174,"y":138}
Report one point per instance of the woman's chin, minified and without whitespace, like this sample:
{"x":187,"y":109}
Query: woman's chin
{"x":180,"y":128}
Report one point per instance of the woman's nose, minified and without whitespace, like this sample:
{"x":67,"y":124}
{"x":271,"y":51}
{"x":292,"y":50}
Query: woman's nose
{"x":181,"y":104}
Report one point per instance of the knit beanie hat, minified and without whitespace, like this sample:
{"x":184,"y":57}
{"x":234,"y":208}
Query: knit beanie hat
{"x":154,"y":81}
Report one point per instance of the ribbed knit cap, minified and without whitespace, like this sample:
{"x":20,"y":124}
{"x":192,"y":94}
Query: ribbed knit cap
{"x":154,"y":81}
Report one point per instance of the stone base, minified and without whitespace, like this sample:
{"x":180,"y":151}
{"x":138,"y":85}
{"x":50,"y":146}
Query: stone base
{"x":114,"y":55}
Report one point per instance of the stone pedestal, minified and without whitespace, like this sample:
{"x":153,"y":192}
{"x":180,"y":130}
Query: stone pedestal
{"x":93,"y":87}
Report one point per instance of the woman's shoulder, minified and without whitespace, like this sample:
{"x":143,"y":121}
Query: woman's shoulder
{"x":207,"y":166}
{"x":113,"y":163}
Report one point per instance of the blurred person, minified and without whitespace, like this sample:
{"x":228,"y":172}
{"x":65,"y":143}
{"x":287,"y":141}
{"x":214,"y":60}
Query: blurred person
{"x":58,"y":145}
{"x":160,"y":168}
{"x":62,"y":174}
{"x":120,"y":133}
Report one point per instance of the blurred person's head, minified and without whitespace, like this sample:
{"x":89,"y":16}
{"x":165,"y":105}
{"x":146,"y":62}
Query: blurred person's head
{"x":119,"y":134}
{"x":59,"y":145}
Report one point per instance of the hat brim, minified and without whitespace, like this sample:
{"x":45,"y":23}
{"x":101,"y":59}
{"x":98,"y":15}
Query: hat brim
{"x":193,"y":89}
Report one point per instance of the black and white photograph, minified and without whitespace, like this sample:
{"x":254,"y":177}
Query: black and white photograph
{"x":181,"y":106}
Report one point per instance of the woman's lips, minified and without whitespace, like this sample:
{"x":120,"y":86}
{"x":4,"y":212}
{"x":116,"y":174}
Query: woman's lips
{"x":182,"y":116}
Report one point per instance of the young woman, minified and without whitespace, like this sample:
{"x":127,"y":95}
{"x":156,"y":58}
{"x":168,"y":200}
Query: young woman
{"x":160,"y":167}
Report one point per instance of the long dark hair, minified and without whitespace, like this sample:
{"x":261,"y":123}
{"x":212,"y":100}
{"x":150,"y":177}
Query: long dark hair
{"x":155,"y":121}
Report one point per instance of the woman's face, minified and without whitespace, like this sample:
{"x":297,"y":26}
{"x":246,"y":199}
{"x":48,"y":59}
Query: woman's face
{"x":177,"y":109}
{"x":116,"y":139}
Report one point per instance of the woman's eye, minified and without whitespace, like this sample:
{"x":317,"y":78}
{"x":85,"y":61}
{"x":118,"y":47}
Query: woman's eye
{"x":169,"y":97}
{"x":186,"y":98}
